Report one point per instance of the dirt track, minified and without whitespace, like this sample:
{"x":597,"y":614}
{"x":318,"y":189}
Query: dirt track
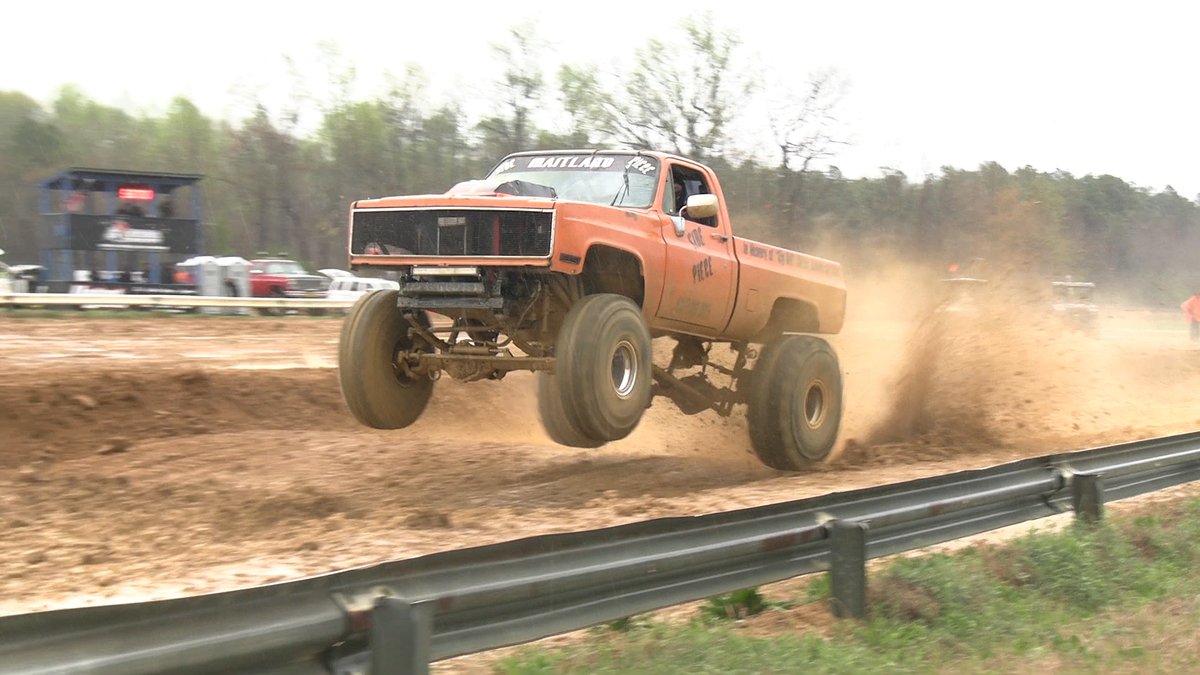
{"x":146,"y":458}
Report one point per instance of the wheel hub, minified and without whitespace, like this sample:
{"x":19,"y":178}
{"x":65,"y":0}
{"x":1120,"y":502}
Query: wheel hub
{"x":624,"y":369}
{"x":402,"y":367}
{"x":814,"y":404}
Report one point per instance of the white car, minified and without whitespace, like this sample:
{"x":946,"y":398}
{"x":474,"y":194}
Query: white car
{"x":352,"y":288}
{"x":1074,"y":305}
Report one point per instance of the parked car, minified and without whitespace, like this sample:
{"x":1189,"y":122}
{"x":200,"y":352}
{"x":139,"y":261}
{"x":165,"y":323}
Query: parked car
{"x":352,"y":288}
{"x":962,"y":296}
{"x":27,"y":278}
{"x":281,"y":278}
{"x":334,"y":273}
{"x":19,"y":278}
{"x":1073,"y":304}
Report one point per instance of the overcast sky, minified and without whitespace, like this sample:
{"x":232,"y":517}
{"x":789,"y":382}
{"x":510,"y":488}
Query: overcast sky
{"x":1085,"y":87}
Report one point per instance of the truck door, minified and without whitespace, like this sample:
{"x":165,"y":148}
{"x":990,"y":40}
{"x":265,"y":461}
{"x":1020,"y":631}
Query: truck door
{"x":701,"y":270}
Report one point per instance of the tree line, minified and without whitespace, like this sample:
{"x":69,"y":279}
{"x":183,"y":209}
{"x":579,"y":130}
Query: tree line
{"x":275,"y":185}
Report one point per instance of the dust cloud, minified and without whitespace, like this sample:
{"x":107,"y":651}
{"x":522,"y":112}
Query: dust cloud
{"x":988,"y":366}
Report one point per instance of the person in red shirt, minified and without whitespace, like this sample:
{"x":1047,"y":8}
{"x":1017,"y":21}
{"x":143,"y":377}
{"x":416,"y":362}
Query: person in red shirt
{"x":1191,"y":308}
{"x":75,"y":202}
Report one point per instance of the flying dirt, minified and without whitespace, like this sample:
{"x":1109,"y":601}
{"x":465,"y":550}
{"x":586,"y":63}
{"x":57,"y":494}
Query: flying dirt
{"x":161,"y":456}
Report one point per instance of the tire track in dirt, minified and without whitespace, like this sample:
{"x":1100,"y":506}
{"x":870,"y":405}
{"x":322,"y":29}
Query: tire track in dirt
{"x":227,"y":476}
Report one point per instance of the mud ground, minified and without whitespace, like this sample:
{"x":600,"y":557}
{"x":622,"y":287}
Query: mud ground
{"x":153,"y":457}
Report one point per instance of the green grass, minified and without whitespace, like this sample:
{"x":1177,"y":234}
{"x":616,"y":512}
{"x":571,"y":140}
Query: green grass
{"x":736,"y":605}
{"x":1120,"y":597}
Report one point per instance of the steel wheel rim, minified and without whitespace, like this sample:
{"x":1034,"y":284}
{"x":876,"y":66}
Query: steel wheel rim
{"x":623,"y":369}
{"x":814,"y":404}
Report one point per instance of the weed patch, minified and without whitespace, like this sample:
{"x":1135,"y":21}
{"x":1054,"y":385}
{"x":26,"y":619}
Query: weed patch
{"x":1118,"y":597}
{"x":735,"y":605}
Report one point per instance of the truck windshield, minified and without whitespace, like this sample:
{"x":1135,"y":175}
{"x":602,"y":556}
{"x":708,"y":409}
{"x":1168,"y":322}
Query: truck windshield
{"x":611,"y":179}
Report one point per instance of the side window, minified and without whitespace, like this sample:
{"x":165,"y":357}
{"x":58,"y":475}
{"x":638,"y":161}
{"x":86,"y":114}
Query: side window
{"x":670,"y":195}
{"x":684,"y":183}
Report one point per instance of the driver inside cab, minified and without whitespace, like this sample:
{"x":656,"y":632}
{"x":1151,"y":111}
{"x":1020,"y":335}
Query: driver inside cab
{"x":684,"y":184}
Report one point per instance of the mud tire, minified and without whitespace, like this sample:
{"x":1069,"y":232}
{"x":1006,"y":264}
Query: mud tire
{"x":795,"y":405}
{"x":602,"y":369}
{"x":377,"y":394}
{"x":558,"y":426}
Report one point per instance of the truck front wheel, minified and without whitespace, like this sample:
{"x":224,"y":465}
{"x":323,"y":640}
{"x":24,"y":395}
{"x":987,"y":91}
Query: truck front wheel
{"x":795,"y":404}
{"x":375,"y":389}
{"x":602,"y":370}
{"x":560,"y":428}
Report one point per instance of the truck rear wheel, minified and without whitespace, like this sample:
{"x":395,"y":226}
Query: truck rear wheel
{"x":554,"y":418}
{"x":378,"y":394}
{"x":602,"y":368}
{"x":795,"y":404}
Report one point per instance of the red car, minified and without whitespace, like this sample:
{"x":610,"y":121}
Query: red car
{"x":281,"y":278}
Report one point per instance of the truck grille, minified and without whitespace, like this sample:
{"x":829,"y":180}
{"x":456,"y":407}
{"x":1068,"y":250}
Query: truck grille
{"x":305,"y":284}
{"x":452,"y":232}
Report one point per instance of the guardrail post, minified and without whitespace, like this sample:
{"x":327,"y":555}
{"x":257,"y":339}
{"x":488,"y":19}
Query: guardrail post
{"x":1087,"y":496}
{"x":400,"y":635}
{"x":848,"y":568}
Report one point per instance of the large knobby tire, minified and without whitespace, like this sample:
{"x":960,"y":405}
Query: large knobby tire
{"x":795,"y":404}
{"x":602,"y":370}
{"x":374,"y":389}
{"x":554,"y":418}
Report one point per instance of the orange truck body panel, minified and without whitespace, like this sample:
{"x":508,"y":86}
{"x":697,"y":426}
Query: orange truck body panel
{"x":707,"y":282}
{"x":770,"y":273}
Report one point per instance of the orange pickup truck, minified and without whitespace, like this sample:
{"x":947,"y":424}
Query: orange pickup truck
{"x":568,"y":263}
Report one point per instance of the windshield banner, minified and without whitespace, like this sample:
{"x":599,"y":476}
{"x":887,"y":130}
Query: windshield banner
{"x":582,"y":162}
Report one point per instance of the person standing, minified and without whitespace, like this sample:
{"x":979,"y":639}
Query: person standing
{"x":1191,"y":308}
{"x":75,"y":202}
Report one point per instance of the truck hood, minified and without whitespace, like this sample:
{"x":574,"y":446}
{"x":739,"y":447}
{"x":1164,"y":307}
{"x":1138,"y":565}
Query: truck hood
{"x":492,"y":200}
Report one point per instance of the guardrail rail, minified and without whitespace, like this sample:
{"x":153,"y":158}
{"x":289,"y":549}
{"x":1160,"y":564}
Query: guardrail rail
{"x":11,"y":300}
{"x":397,"y":617}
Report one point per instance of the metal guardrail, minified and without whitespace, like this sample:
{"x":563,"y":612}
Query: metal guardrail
{"x":10,"y":300}
{"x":398,"y":616}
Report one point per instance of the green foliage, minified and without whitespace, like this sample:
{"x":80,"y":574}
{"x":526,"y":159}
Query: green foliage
{"x":1077,"y":596}
{"x":627,"y":624}
{"x":683,"y":98}
{"x":820,"y":587}
{"x":735,"y":605}
{"x":1076,"y":568}
{"x":694,"y":648}
{"x":585,"y":101}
